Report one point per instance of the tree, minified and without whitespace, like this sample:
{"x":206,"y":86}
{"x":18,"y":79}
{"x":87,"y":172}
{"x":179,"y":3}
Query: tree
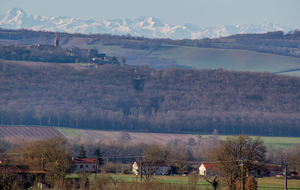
{"x":123,"y":60}
{"x":214,"y":183}
{"x":82,"y":153}
{"x":234,"y":151}
{"x":98,"y":155}
{"x":155,"y":152}
{"x":9,"y":180}
{"x":51,"y":155}
{"x":152,"y":154}
{"x":294,"y":158}
{"x":251,"y":184}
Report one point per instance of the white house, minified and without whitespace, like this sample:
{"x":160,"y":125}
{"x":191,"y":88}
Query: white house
{"x":207,"y":169}
{"x":160,"y":168}
{"x":85,"y":164}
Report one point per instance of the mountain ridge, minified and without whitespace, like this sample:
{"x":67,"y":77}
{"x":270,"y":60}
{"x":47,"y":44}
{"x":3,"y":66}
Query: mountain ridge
{"x":150,"y":27}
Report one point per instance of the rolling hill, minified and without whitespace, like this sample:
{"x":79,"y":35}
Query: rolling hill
{"x":270,"y":52}
{"x":206,"y":58}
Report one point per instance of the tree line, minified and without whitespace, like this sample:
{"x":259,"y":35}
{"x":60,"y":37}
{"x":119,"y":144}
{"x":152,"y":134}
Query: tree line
{"x":145,"y":99}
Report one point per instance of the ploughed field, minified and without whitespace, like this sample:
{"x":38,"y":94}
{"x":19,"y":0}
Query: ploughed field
{"x":30,"y":133}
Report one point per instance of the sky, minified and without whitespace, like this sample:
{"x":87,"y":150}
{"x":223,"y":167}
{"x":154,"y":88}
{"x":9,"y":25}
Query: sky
{"x":199,"y":12}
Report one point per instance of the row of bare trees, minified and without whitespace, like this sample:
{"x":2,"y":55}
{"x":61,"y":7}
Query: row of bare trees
{"x":145,"y":99}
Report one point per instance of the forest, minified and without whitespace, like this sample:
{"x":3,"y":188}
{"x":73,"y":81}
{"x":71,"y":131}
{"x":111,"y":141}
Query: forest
{"x":131,"y":98}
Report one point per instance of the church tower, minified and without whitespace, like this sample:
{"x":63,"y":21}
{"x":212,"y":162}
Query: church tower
{"x":56,"y":42}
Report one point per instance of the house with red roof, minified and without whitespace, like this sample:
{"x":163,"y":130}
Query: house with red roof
{"x":207,"y":169}
{"x":85,"y":164}
{"x":267,"y":170}
{"x":158,"y":168}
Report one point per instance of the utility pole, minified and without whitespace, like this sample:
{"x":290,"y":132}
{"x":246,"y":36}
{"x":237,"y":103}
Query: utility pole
{"x":141,"y":173}
{"x":285,"y":181}
{"x":242,"y":172}
{"x":96,"y":171}
{"x":242,"y":175}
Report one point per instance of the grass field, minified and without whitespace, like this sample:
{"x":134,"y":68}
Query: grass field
{"x":275,"y":142}
{"x":238,"y":60}
{"x":213,"y":58}
{"x":266,"y":183}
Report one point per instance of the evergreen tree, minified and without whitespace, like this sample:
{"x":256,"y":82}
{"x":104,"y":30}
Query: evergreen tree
{"x":82,"y":153}
{"x":98,"y":155}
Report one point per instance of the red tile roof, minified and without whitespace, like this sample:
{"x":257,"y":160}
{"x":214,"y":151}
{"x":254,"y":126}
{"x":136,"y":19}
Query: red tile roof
{"x":85,"y":160}
{"x":209,"y":166}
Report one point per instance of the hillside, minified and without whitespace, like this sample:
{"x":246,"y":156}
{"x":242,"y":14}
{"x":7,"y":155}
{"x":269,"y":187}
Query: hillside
{"x":145,"y":99}
{"x":228,"y":59}
{"x":271,"y":52}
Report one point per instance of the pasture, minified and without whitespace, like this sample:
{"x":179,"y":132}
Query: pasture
{"x":271,"y":141}
{"x":228,"y":59}
{"x":212,"y":58}
{"x":265,"y":183}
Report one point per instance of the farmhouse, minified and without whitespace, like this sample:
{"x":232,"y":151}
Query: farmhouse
{"x":85,"y":164}
{"x":270,"y":170}
{"x":207,"y":169}
{"x":23,"y":174}
{"x":158,"y":168}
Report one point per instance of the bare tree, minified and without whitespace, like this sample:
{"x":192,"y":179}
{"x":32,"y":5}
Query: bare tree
{"x":51,"y":155}
{"x":234,"y":151}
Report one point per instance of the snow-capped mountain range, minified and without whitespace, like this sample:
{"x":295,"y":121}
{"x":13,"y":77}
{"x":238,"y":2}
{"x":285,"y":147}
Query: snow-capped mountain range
{"x":150,"y":27}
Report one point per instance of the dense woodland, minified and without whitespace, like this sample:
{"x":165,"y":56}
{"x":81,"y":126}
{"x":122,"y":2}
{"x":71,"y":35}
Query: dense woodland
{"x":145,"y":99}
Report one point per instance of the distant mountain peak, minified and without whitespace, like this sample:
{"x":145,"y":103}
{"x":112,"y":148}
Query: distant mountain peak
{"x":16,"y":12}
{"x":150,"y":27}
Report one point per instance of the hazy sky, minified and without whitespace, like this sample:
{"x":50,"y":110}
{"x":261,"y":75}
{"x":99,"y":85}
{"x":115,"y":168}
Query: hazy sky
{"x":202,"y":13}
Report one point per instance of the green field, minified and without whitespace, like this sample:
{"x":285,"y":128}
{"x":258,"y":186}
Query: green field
{"x":266,"y":183}
{"x":213,"y":58}
{"x":228,"y":59}
{"x":275,"y":142}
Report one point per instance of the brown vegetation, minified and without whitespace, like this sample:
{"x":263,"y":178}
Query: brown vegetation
{"x":144,"y":99}
{"x":240,"y":150}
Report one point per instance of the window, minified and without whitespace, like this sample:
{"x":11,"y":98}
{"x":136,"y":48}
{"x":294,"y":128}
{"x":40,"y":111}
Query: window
{"x":87,"y":166}
{"x":93,"y":166}
{"x":81,"y":166}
